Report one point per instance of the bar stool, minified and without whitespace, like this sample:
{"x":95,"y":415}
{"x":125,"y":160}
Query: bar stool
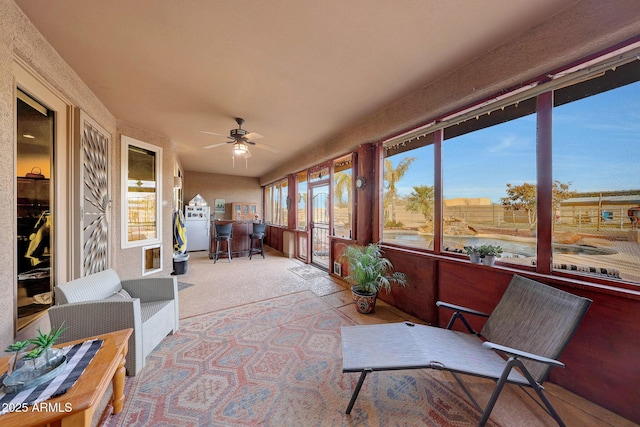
{"x":258,"y":234}
{"x":223,"y":233}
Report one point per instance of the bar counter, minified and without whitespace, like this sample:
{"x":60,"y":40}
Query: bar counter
{"x":239,"y":238}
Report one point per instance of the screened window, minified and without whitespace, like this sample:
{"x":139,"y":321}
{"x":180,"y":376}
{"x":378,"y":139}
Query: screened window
{"x":408,"y":199}
{"x":490,"y":193}
{"x":276,"y":201}
{"x":596,"y":149}
{"x":343,"y":197}
{"x":284,"y":203}
{"x":489,"y":183}
{"x":301,"y":179}
{"x":268,"y":198}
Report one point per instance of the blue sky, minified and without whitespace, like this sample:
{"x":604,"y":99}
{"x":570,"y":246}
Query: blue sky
{"x":596,"y":144}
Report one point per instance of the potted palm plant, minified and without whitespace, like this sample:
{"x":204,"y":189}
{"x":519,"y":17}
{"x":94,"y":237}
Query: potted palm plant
{"x":369,"y":272}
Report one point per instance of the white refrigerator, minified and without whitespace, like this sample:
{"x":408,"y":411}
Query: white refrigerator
{"x":197,"y":224}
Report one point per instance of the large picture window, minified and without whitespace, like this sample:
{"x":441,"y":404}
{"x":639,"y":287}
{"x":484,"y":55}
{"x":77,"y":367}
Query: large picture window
{"x":489,"y":183}
{"x":141,"y":190}
{"x":580,"y":216}
{"x":596,"y":149}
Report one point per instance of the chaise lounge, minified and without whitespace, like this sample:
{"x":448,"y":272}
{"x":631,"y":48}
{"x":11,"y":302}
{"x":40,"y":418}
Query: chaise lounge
{"x":519,"y":343}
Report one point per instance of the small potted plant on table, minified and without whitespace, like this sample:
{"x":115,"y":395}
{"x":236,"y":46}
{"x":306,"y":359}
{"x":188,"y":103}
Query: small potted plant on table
{"x":369,"y":272}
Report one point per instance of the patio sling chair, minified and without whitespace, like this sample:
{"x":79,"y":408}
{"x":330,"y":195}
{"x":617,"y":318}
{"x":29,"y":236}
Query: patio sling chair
{"x":530,"y":326}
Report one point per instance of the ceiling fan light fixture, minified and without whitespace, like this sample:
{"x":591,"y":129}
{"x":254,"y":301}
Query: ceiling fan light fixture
{"x":240,"y":148}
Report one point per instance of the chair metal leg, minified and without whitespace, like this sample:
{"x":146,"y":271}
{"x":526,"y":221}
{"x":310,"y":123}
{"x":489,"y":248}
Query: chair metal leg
{"x":262,"y":247}
{"x":354,"y":396}
{"x":215,"y":258}
{"x":538,"y":389}
{"x":511,"y":363}
{"x":229,"y":249}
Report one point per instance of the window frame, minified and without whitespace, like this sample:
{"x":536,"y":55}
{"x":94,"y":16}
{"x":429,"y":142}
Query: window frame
{"x":125,"y":143}
{"x":542,"y":90}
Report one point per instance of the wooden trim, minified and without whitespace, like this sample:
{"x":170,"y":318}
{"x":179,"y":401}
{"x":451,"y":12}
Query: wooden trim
{"x":545,"y":212}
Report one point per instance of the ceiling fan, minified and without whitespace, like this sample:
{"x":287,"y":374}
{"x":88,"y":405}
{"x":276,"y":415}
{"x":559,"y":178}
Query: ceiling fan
{"x":241,"y":140}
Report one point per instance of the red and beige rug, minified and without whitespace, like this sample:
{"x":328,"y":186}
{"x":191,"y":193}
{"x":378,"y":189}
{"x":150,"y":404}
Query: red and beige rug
{"x":277,"y":363}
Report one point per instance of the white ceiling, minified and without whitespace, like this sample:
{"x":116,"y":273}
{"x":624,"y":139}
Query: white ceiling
{"x":298,"y":71}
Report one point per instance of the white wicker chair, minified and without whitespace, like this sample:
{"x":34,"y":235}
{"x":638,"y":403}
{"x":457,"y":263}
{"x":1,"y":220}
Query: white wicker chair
{"x":91,"y":306}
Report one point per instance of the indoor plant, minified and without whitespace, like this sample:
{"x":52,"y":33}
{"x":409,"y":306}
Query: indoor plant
{"x":489,"y":253}
{"x":369,"y":272}
{"x":44,"y":364}
{"x":474,"y":253}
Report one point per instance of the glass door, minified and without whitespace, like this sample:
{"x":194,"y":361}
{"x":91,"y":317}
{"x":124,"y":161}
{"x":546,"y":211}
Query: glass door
{"x":34,"y":215}
{"x":320,"y":225}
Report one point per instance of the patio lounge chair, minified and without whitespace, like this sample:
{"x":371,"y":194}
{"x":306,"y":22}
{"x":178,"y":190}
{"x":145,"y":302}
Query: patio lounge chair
{"x":530,"y":326}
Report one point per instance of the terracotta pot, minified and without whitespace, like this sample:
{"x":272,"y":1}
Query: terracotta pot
{"x":365,"y":302}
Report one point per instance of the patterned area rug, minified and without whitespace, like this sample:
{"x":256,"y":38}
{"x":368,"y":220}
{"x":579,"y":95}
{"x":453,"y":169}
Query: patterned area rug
{"x":307,"y":272}
{"x":276,"y":363}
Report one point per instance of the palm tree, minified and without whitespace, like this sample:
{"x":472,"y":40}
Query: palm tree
{"x":421,"y":201}
{"x":391,"y":177}
{"x":342,"y":188}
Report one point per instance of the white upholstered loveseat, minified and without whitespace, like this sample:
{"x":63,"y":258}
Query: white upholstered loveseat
{"x":96,"y":304}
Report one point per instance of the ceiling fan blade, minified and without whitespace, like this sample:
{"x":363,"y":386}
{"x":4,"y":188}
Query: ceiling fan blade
{"x":266,"y":147}
{"x":253,"y":136}
{"x":206,"y":147}
{"x":213,"y":133}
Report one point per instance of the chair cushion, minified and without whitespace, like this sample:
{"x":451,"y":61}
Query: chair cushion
{"x":97,"y":286}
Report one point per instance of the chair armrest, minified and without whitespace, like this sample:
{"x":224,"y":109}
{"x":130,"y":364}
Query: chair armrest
{"x":461,"y":309}
{"x":152,"y":288}
{"x":458,"y":310}
{"x":86,"y":319}
{"x":523,"y":354}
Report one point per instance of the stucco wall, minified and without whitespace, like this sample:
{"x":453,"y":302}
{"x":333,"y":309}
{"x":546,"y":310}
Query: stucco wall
{"x":229,"y":188}
{"x":20,"y":39}
{"x":128,"y":262}
{"x":579,"y":31}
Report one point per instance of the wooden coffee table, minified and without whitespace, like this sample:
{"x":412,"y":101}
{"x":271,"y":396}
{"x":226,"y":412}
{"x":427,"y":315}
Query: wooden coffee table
{"x":76,"y":407}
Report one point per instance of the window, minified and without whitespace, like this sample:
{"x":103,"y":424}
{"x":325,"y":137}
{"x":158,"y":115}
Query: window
{"x":141,"y":183}
{"x":583,"y":218}
{"x":301,"y":178}
{"x":596,"y":156}
{"x":276,"y":201}
{"x":284,"y":203}
{"x":408,"y":198}
{"x":343,"y":197}
{"x":268,"y":199}
{"x":489,"y":183}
